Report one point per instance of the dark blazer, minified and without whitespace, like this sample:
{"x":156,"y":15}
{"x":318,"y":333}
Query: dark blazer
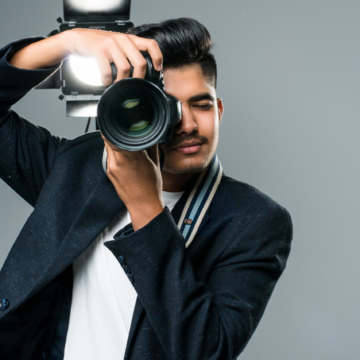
{"x":199,"y":303}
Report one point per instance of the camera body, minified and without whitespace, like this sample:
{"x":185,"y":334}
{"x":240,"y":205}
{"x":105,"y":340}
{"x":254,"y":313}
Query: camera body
{"x":134,"y":114}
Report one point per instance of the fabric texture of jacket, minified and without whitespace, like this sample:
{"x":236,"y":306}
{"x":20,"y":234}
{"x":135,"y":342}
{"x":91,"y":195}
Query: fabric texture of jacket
{"x":199,"y":303}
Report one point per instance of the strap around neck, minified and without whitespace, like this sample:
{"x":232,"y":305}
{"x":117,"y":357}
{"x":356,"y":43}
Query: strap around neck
{"x":199,"y":198}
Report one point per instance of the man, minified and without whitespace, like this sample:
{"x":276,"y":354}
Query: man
{"x":101,"y":269}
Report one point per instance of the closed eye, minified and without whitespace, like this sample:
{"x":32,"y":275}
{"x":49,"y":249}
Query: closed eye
{"x":204,"y":107}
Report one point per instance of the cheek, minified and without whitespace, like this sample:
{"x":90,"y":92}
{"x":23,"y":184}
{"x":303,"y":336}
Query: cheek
{"x":211,"y":130}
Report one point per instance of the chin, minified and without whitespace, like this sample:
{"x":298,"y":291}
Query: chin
{"x":185,"y":166}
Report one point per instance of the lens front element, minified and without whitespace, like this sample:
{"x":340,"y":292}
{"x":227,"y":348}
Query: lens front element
{"x":133,"y":114}
{"x":136,"y":117}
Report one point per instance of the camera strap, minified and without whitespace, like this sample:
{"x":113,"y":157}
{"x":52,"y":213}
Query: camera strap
{"x":199,"y":198}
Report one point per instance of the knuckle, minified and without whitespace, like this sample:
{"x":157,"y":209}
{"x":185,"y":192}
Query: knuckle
{"x":157,"y":59}
{"x":141,"y":63}
{"x":153,"y":44}
{"x":124,"y":69}
{"x":113,"y":167}
{"x":109,"y":169}
{"x":121,"y":36}
{"x":99,"y":47}
{"x":106,"y":80}
{"x":109,"y":41}
{"x":107,"y":73}
{"x":106,"y":45}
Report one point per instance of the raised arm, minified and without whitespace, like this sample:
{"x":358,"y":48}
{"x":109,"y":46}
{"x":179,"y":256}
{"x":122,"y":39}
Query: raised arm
{"x":27,"y":151}
{"x":104,"y":46}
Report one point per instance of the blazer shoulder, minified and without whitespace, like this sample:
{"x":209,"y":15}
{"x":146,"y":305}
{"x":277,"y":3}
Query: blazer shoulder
{"x":253,"y":220}
{"x":85,"y":141}
{"x":241,"y":198}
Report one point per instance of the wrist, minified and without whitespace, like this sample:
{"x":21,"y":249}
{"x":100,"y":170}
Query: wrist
{"x":144,"y":213}
{"x":64,"y":42}
{"x":69,"y":41}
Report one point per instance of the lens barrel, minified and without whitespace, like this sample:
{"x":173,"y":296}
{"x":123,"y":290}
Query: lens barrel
{"x":134,"y":114}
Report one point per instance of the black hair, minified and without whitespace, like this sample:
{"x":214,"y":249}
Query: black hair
{"x":182,"y":41}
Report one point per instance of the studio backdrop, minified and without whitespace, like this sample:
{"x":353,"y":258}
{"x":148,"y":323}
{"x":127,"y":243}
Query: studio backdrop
{"x":289,"y":77}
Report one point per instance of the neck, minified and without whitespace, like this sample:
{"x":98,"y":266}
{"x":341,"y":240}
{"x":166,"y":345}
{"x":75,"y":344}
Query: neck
{"x":177,"y":182}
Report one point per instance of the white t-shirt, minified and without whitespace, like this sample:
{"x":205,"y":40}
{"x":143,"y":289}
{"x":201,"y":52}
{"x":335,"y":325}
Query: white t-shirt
{"x":103,"y":298}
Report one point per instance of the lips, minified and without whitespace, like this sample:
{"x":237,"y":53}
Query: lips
{"x":189,"y":147}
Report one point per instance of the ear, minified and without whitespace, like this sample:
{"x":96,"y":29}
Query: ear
{"x":220,"y":108}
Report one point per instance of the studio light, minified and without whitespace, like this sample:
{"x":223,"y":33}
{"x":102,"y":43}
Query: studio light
{"x":86,"y":70}
{"x":96,"y":10}
{"x":108,"y":6}
{"x":79,"y":78}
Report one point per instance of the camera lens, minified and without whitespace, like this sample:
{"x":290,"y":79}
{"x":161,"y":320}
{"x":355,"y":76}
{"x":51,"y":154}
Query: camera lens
{"x":133,"y":114}
{"x":136,"y":116}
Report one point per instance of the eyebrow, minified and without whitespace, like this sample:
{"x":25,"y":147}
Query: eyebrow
{"x":200,"y":97}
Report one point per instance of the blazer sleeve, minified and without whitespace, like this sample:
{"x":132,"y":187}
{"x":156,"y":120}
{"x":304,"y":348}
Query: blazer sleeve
{"x":27,"y":151}
{"x":194,"y":320}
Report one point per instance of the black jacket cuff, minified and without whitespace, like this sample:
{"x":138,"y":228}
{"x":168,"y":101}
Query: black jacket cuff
{"x":130,"y":241}
{"x":15,"y":80}
{"x":128,"y":230}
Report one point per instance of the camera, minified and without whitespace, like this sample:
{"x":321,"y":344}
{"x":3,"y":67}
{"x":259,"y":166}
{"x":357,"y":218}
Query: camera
{"x":134,"y":114}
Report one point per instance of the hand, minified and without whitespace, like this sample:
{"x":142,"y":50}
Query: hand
{"x":137,"y":180}
{"x":118,"y":48}
{"x":105,"y":46}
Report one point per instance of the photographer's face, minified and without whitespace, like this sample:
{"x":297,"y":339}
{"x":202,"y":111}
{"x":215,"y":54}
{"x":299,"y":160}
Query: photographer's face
{"x":195,"y":136}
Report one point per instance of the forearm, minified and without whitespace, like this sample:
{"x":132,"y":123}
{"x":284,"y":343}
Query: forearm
{"x":42,"y":54}
{"x":15,"y":82}
{"x":27,"y":151}
{"x":173,"y":299}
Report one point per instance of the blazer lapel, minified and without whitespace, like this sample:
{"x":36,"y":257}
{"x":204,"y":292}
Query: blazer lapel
{"x":99,"y":210}
{"x":139,"y":308}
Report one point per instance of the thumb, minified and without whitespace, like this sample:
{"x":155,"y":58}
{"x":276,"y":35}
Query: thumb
{"x":153,"y":154}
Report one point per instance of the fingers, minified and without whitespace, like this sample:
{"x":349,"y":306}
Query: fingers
{"x":152,"y":47}
{"x":109,"y":144}
{"x":153,"y":153}
{"x":130,"y":47}
{"x":116,"y":156}
{"x":121,"y":49}
{"x":124,"y":50}
{"x":122,"y":64}
{"x":105,"y":71}
{"x":136,"y":59}
{"x":112,"y":53}
{"x":119,"y":154}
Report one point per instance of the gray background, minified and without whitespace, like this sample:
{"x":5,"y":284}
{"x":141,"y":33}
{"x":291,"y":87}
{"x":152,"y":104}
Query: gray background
{"x":289,"y":78}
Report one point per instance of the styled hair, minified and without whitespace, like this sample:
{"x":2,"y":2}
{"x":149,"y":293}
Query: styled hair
{"x":182,"y":41}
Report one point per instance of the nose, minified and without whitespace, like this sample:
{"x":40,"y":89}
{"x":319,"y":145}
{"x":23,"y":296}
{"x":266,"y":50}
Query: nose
{"x":187,"y":123}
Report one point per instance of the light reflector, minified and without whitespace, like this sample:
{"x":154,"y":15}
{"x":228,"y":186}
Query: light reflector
{"x":86,"y":70}
{"x":96,"y":10}
{"x":80,"y":6}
